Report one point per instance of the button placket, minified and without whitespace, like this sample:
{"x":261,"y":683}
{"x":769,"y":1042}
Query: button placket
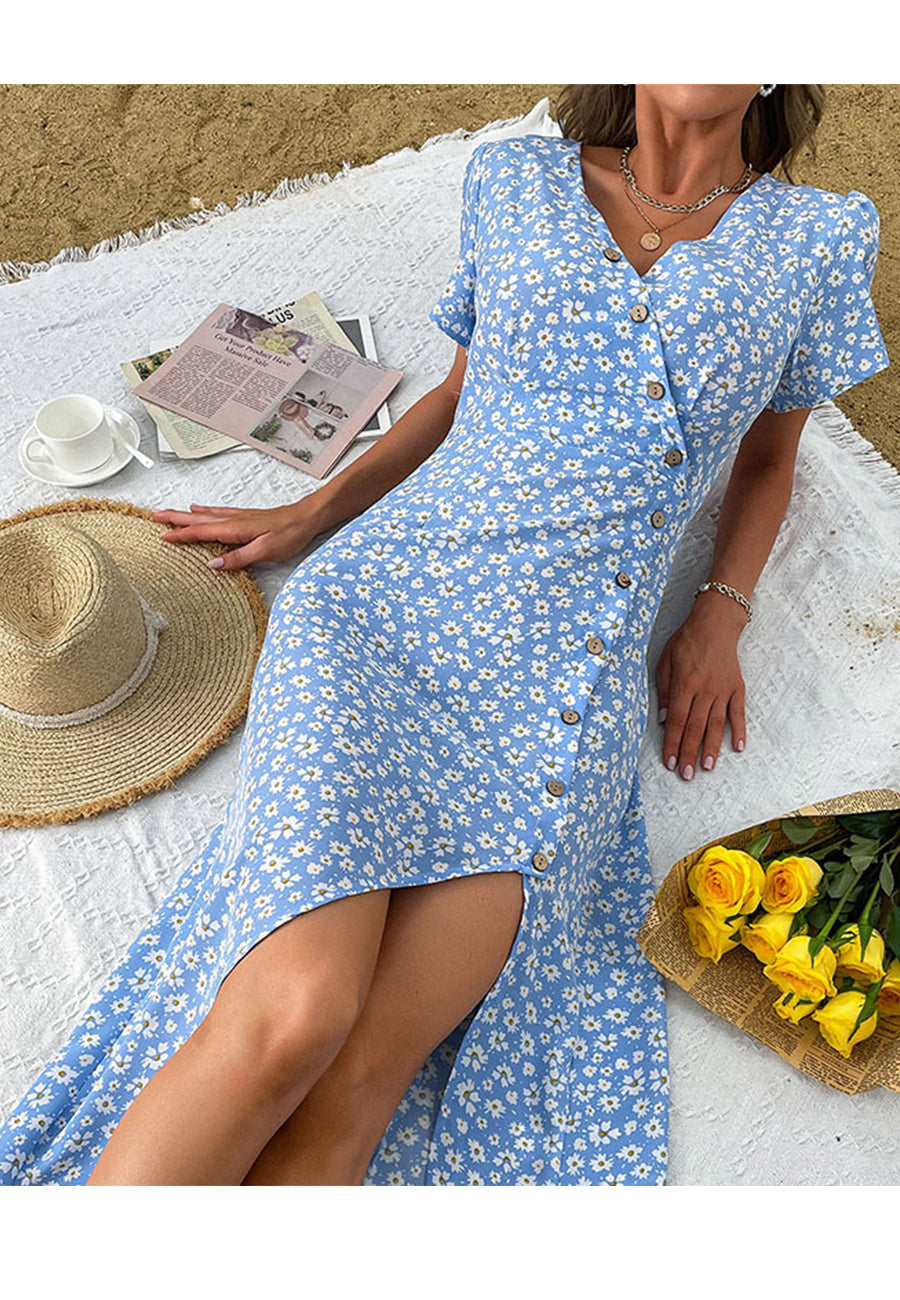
{"x":590,"y":656}
{"x":565,"y":722}
{"x":656,"y":391}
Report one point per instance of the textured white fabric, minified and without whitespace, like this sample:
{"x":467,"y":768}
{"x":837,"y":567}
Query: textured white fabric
{"x":821,"y":659}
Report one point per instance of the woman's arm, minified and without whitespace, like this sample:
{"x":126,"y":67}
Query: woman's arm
{"x":698,"y":676}
{"x":395,"y":455}
{"x":279,"y":533}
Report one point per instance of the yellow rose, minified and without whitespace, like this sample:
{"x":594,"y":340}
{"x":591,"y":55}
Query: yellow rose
{"x":792,"y":1008}
{"x":793,"y":971}
{"x":866,"y":967}
{"x":767,"y":933}
{"x":837,"y":1018}
{"x":790,"y":884}
{"x":710,"y":934}
{"x":888,"y":1000}
{"x":726,"y":880}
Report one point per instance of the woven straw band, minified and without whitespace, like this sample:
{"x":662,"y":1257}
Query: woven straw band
{"x":154,"y":623}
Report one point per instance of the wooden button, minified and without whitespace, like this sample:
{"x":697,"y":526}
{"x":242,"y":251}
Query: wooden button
{"x":555,"y":788}
{"x":594,"y":645}
{"x":612,"y":254}
{"x":540,"y":861}
{"x":657,"y":519}
{"x":623,"y":579}
{"x":570,"y":716}
{"x":655,"y":389}
{"x":674,"y":456}
{"x":639,"y":312}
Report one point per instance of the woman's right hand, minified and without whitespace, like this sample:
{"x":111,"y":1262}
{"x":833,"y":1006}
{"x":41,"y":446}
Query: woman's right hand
{"x":256,"y":535}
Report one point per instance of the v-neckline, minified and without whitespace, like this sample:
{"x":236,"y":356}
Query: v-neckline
{"x":730,"y":216}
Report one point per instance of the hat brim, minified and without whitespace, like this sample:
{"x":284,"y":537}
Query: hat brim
{"x":196,"y":691}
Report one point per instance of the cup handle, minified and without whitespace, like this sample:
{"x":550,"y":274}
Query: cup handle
{"x":35,"y":451}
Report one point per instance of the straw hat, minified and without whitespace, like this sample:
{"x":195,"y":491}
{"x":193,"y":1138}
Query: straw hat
{"x":123,"y":659}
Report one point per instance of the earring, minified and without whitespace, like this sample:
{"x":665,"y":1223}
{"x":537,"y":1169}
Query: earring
{"x":767,"y":90}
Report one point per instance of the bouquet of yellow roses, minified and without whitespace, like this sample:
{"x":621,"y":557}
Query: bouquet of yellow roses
{"x":817,"y":904}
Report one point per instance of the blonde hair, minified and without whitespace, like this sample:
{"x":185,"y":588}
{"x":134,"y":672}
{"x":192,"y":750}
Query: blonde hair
{"x":775,"y":128}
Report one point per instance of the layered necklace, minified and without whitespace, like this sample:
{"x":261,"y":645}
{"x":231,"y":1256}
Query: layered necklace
{"x":652,"y":238}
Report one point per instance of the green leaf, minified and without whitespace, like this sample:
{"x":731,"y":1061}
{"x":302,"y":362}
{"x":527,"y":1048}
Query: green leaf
{"x":838,"y":883}
{"x":876,"y":824}
{"x":886,"y":878}
{"x":799,"y":830}
{"x":816,"y":944}
{"x":892,"y":931}
{"x":797,"y":922}
{"x":865,"y":934}
{"x":868,"y":1005}
{"x":833,"y":865}
{"x":757,"y":847}
{"x":818,"y":914}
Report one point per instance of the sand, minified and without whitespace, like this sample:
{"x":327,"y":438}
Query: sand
{"x":81,"y":163}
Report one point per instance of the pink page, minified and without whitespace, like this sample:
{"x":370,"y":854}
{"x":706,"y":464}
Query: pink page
{"x":271,"y":386}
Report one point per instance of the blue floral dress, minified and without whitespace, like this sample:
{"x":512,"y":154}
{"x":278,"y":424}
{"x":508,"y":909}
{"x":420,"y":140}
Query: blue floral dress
{"x":456,"y":681}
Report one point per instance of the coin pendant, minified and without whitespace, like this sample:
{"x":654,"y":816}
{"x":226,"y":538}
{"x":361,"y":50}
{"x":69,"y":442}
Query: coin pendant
{"x":650,"y":240}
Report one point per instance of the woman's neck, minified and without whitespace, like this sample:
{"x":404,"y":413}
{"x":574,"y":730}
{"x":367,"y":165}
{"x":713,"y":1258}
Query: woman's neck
{"x":677,"y":160}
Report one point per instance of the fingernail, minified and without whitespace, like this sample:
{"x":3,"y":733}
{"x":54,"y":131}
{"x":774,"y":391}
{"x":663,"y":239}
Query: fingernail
{"x":688,"y":772}
{"x":671,"y":761}
{"x":661,"y":716}
{"x":217,"y":563}
{"x":708,"y":761}
{"x":740,"y":743}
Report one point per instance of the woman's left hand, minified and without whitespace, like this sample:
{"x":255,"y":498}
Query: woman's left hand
{"x":699,"y":683}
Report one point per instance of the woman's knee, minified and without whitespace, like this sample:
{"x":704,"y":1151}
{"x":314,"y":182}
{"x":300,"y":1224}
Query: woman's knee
{"x":289,"y":1033}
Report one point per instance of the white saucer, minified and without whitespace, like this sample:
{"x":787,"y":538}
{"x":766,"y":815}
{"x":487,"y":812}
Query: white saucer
{"x":118,"y":458}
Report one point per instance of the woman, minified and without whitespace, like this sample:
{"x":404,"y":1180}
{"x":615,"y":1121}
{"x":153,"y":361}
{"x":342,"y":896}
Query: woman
{"x":408,"y":954}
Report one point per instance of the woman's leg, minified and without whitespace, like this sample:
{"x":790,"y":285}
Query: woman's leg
{"x":278,"y":1020}
{"x":443,"y":947}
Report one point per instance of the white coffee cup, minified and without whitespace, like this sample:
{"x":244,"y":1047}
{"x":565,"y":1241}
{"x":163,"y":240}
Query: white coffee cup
{"x":73,"y":433}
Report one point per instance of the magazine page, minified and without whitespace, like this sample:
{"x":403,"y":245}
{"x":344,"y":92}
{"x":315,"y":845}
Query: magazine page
{"x":179,"y":438}
{"x":272,"y":386}
{"x":310,"y":315}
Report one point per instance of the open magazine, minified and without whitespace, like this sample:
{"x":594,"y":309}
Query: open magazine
{"x":178,"y":438}
{"x":267,"y":383}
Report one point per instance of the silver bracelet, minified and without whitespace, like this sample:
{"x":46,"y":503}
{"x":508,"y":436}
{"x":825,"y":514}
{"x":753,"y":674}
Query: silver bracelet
{"x":728,"y":591}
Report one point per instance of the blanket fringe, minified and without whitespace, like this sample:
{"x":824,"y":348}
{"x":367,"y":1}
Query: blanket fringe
{"x":840,"y":429}
{"x":10,"y":271}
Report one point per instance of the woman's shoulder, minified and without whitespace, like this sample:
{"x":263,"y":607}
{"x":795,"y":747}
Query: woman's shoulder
{"x":514,"y":150}
{"x":822,"y":211}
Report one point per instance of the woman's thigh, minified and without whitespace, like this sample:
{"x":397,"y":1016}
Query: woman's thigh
{"x":444,"y":944}
{"x":324,"y":958}
{"x":443,"y":947}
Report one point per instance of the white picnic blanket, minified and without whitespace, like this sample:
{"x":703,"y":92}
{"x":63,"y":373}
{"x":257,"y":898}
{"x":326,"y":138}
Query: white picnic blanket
{"x":821,"y":658}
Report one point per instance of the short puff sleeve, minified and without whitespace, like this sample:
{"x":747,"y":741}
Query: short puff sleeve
{"x":839,"y":342}
{"x":454,"y":311}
